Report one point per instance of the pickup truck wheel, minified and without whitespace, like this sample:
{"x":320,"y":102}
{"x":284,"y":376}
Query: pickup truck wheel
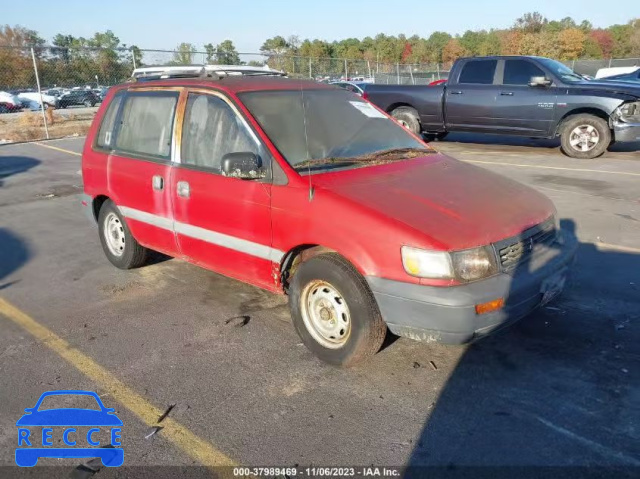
{"x":585,"y":136}
{"x":119,"y":245}
{"x":408,"y":117}
{"x":334,"y":311}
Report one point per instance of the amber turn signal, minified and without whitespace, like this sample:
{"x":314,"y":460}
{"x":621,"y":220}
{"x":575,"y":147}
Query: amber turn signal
{"x":490,"y":306}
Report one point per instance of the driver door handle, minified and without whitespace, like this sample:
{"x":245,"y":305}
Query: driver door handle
{"x":157,"y":182}
{"x":506,"y":93}
{"x":183,"y":190}
{"x":456,"y":92}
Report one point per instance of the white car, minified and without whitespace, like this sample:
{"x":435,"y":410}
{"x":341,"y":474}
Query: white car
{"x":607,"y":72}
{"x":33,"y":100}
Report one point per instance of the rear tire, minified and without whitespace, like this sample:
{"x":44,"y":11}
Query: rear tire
{"x":408,"y":117}
{"x":585,"y":136}
{"x":119,"y":245}
{"x":334,"y":311}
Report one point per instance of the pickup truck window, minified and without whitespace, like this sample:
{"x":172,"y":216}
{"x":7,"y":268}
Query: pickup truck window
{"x":479,"y":72}
{"x":519,"y":72}
{"x":317,"y":125}
{"x":562,"y":71}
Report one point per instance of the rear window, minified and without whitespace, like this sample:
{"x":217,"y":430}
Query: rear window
{"x":105,"y":133}
{"x":147,"y":123}
{"x":479,"y":72}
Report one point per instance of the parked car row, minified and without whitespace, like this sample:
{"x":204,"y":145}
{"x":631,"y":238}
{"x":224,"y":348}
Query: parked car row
{"x":522,"y":96}
{"x":18,"y":100}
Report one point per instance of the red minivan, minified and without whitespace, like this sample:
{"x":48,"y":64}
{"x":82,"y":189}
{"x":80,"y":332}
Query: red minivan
{"x":308,"y":190}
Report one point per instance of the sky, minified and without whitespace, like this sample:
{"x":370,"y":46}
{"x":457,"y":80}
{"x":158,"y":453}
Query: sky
{"x":163,"y":25}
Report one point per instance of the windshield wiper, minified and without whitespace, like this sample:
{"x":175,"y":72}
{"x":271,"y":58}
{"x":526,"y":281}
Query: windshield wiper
{"x":382,"y":156}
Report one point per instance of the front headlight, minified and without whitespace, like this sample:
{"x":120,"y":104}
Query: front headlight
{"x":427,"y":264}
{"x":630,"y":112}
{"x":467,"y":265}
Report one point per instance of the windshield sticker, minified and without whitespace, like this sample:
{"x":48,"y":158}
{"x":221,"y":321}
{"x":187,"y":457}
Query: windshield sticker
{"x":367,"y":109}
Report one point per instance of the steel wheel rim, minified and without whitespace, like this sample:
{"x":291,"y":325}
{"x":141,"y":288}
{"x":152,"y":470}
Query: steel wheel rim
{"x":114,"y":234}
{"x":325,"y":314}
{"x":584,"y":138}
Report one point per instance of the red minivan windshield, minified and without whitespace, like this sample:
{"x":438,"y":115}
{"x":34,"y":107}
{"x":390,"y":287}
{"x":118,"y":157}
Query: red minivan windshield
{"x":322,"y":129}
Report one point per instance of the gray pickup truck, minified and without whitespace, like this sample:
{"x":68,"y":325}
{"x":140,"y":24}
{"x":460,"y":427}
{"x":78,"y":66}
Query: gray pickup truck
{"x":518,"y":95}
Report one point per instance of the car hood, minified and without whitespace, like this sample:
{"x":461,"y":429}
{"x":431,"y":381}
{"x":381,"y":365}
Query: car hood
{"x":612,"y":86}
{"x":69,"y":417}
{"x":455,"y":204}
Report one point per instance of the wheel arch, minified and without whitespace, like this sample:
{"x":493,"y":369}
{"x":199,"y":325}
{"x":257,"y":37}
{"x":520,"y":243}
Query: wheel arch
{"x":96,"y":205}
{"x":579,"y":111}
{"x":399,"y":104}
{"x":299,"y":254}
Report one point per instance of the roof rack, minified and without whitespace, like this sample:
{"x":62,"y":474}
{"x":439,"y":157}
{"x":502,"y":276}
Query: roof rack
{"x":217,"y":72}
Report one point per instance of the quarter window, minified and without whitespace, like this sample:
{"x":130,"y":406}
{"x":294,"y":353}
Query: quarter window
{"x":480,"y":72}
{"x":146,"y":123}
{"x":519,"y":72}
{"x":211,"y":130}
{"x":105,"y":133}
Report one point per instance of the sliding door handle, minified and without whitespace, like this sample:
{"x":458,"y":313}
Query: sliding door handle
{"x":183,"y":189}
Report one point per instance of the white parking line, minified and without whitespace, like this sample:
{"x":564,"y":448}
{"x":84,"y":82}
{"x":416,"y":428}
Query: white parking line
{"x":583,"y":170}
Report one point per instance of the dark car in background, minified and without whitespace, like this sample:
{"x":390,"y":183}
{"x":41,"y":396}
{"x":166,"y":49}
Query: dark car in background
{"x":102,"y":92}
{"x":526,"y":96}
{"x":79,"y":97}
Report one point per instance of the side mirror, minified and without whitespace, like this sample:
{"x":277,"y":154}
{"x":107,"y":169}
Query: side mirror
{"x":539,"y":81}
{"x":243,"y":164}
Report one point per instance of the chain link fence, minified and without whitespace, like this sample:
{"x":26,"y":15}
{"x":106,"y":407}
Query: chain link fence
{"x":52,"y":92}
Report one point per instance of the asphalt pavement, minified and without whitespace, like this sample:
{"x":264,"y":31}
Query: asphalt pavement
{"x":559,"y":392}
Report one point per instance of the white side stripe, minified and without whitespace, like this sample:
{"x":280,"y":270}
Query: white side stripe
{"x":213,"y":237}
{"x":149,"y":218}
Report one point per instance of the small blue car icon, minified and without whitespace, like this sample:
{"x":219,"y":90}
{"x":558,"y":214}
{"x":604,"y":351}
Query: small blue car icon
{"x":110,"y":455}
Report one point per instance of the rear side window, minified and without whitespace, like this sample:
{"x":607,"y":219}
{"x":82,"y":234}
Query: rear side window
{"x":105,"y":133}
{"x":479,"y":72}
{"x":211,"y":130}
{"x":519,"y":72}
{"x":146,"y":123}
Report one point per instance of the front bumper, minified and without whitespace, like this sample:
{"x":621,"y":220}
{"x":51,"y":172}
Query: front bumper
{"x":448,"y":315}
{"x":626,"y":131}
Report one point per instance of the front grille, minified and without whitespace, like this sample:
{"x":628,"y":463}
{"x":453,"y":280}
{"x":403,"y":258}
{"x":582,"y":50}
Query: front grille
{"x":514,"y":251}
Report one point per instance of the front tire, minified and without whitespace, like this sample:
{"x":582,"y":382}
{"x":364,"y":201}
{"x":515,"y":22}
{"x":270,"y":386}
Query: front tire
{"x":408,"y":117}
{"x":585,"y":136}
{"x":119,"y":245}
{"x":334,"y":311}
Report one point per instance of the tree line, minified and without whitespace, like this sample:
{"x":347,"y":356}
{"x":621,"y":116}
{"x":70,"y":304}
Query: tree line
{"x":531,"y":34}
{"x":75,"y":60}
